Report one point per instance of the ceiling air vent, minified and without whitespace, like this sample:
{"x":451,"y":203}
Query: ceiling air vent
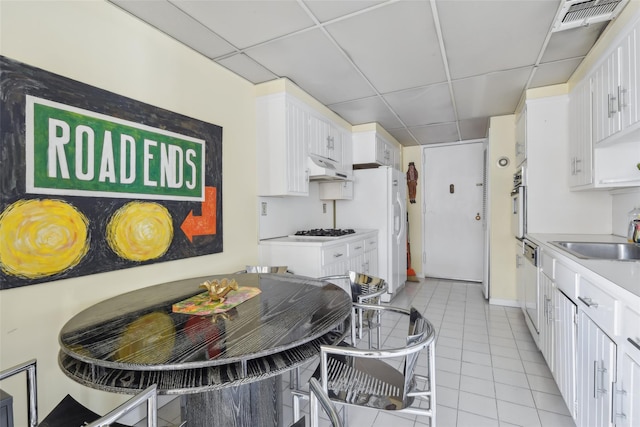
{"x":578,"y":13}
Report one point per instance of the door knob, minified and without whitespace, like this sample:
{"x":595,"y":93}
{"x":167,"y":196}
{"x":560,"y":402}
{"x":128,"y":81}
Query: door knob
{"x":478,"y":217}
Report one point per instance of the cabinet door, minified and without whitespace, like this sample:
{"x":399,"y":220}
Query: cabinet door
{"x":520,"y":276}
{"x":324,"y":138}
{"x":628,"y":80}
{"x":371,"y":255}
{"x":281,"y":128}
{"x":580,"y":144}
{"x":546,"y":323}
{"x":521,"y":138}
{"x":627,"y":394}
{"x":296,"y":163}
{"x":595,"y":373}
{"x":565,"y":317}
{"x":614,"y":93}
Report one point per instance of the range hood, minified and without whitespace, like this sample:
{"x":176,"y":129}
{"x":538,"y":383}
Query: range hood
{"x":579,"y":13}
{"x":326,"y":169}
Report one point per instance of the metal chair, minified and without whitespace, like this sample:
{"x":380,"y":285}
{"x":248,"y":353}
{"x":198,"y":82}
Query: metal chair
{"x":364,"y":289}
{"x":317,"y":397}
{"x":70,"y":412}
{"x":371,"y":377}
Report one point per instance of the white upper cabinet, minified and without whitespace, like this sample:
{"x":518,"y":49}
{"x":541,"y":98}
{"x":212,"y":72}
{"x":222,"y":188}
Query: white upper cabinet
{"x":608,"y":157}
{"x":615,"y":91}
{"x":281,"y":146}
{"x":371,"y":148}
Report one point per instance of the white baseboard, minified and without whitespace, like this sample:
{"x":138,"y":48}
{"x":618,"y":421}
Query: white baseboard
{"x":504,"y":302}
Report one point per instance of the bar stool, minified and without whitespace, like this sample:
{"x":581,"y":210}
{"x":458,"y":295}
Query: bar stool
{"x":70,"y":412}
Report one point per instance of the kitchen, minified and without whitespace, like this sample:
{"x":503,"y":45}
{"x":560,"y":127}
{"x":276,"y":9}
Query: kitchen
{"x":22,"y":33}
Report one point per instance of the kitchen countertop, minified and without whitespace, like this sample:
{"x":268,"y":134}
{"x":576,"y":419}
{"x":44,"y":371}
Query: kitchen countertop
{"x":317,"y":240}
{"x":625,"y":274}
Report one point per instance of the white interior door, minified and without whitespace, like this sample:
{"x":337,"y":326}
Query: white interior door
{"x":454,"y":221}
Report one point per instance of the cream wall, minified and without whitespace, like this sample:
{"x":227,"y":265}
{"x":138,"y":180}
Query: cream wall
{"x":502,"y":275}
{"x":414,"y":154}
{"x":94,"y":42}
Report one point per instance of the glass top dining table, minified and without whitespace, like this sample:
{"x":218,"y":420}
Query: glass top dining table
{"x":133,"y":340}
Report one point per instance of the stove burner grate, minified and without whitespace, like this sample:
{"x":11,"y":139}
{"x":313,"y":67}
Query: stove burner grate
{"x":326,"y":232}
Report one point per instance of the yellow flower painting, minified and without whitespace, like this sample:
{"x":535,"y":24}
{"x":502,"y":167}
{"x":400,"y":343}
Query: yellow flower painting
{"x":40,"y":238}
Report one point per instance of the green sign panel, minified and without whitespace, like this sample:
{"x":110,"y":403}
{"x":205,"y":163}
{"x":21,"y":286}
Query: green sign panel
{"x":71,"y":151}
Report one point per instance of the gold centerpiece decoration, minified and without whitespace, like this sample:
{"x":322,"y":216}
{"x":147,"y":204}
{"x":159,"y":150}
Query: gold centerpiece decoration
{"x":218,"y":289}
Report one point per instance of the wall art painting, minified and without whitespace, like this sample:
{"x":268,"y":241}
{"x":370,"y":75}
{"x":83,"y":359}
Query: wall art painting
{"x":92,"y":181}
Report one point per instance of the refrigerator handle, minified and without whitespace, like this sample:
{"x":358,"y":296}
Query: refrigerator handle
{"x":400,"y":226}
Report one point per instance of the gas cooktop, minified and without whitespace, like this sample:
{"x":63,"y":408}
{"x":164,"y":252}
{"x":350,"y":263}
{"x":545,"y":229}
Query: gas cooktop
{"x":324,"y":232}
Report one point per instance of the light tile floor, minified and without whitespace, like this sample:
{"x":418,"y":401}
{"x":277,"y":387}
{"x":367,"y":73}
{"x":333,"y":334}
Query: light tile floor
{"x":489,"y":371}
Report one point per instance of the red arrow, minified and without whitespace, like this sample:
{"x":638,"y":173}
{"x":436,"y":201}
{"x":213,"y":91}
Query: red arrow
{"x":206,"y":223}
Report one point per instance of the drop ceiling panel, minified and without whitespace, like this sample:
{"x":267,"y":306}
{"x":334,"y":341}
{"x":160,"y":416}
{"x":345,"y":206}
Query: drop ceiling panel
{"x":313,"y":62}
{"x":247,"y":68}
{"x":487,"y":36}
{"x":435,"y":134}
{"x":325,"y":10}
{"x":367,"y":110}
{"x":174,"y":22}
{"x":382,"y":43}
{"x":473,"y":128}
{"x":403,"y":136}
{"x":422,"y":106}
{"x":492,"y":94}
{"x":554,"y":72}
{"x":246,"y":23}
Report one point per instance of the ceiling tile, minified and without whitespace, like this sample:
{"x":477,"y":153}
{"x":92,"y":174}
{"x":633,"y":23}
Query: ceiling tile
{"x":435,"y":134}
{"x":423,"y":106}
{"x":312,"y":61}
{"x":474,"y":128}
{"x":325,"y":10}
{"x":487,"y":36}
{"x":366,"y":110}
{"x":576,"y":42}
{"x":492,"y":94}
{"x":174,"y":22}
{"x":246,"y":23}
{"x":403,"y":136}
{"x":554,"y":72}
{"x":247,"y":68}
{"x":383,"y":44}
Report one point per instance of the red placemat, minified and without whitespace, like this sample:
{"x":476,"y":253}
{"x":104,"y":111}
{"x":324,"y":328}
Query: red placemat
{"x":201,"y":306}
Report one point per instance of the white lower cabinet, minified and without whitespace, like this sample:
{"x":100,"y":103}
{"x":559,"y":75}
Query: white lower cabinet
{"x":565,"y":317}
{"x":323,"y":259}
{"x":595,"y":374}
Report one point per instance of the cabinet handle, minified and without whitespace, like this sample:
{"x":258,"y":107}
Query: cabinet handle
{"x":577,"y":169}
{"x":598,"y":390}
{"x":610,"y":101}
{"x":358,"y":247}
{"x":588,"y":302}
{"x":614,"y":413}
{"x":337,"y":255}
{"x":635,"y":343}
{"x":620,"y":100}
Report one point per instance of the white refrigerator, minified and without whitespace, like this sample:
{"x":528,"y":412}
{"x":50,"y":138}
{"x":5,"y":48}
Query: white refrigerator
{"x":380,"y":202}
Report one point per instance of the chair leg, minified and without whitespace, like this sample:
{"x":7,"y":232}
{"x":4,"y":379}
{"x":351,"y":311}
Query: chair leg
{"x":294,"y":376}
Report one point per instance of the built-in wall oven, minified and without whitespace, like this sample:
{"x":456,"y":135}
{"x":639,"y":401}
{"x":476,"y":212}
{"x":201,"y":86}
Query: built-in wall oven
{"x":518,"y":205}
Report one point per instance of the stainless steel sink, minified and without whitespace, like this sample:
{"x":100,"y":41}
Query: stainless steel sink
{"x":600,"y":250}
